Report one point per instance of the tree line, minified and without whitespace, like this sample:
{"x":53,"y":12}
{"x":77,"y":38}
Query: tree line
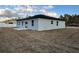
{"x":71,"y":20}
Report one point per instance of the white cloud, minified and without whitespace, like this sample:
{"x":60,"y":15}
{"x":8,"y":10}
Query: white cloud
{"x":1,"y":11}
{"x":53,"y":14}
{"x":29,"y":9}
{"x":6,"y":10}
{"x":7,"y":13}
{"x":23,"y":10}
{"x":43,"y":10}
{"x":50,"y":6}
{"x":33,"y":8}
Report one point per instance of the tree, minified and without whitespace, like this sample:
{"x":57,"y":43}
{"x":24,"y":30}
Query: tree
{"x":71,"y":19}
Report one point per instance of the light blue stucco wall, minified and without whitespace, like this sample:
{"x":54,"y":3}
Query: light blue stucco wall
{"x":20,"y":25}
{"x":35,"y":27}
{"x":45,"y":24}
{"x":29,"y":24}
{"x":41,"y":24}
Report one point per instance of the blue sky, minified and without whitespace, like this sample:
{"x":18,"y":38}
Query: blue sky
{"x":51,"y":10}
{"x":66,"y":9}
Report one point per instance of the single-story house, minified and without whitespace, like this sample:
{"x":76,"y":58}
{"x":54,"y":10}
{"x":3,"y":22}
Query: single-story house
{"x":3,"y":24}
{"x":40,"y":22}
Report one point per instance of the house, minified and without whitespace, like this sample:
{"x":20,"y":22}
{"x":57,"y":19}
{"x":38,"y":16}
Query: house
{"x":8,"y":23}
{"x":40,"y":22}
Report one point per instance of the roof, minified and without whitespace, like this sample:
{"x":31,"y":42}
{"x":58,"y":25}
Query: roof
{"x":40,"y":16}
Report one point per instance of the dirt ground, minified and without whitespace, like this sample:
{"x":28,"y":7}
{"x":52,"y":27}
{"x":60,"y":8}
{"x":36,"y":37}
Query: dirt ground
{"x":60,"y":41}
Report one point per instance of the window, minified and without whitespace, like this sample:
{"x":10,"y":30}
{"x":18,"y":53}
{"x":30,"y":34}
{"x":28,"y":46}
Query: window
{"x":26,"y":23}
{"x":32,"y":22}
{"x":22,"y":23}
{"x":52,"y":22}
{"x":10,"y":22}
{"x":57,"y":23}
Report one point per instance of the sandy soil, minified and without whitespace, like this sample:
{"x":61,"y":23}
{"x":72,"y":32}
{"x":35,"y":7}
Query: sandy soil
{"x":62,"y":40}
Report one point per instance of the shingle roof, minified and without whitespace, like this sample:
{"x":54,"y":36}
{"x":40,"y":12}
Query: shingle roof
{"x":40,"y":16}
